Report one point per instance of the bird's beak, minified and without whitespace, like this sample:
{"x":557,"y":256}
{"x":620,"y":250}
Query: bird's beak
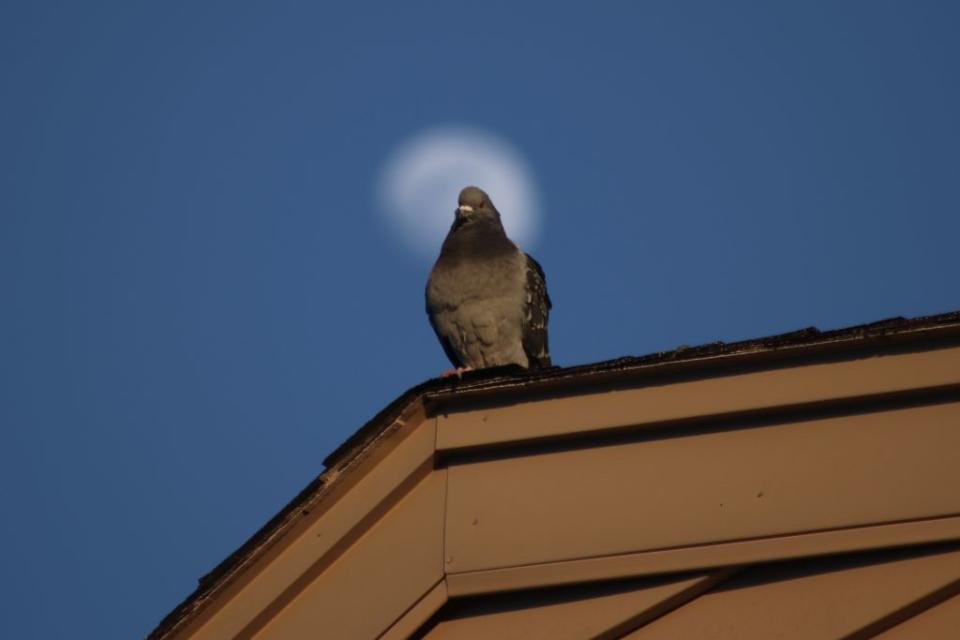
{"x":464,"y":209}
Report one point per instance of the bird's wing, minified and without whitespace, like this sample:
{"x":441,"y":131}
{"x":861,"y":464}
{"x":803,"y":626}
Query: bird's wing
{"x":535,"y":316}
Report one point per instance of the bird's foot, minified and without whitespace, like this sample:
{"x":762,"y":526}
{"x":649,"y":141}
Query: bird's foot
{"x":455,"y":372}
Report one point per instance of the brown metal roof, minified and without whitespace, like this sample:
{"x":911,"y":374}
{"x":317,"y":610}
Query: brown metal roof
{"x":904,"y":591}
{"x":505,"y":385}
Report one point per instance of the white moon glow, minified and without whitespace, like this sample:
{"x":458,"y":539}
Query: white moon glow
{"x":422,"y":177}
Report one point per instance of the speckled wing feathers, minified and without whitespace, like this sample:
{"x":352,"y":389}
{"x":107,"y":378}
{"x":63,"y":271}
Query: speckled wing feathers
{"x":536,"y":315}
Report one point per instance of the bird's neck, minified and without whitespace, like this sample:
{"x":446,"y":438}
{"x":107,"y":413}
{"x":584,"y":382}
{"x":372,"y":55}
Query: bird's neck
{"x":476,"y":239}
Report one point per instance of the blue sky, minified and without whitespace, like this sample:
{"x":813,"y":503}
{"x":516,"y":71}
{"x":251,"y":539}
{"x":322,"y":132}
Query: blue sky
{"x":201,"y":297}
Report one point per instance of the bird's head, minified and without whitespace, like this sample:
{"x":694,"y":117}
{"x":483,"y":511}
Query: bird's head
{"x":474,"y":204}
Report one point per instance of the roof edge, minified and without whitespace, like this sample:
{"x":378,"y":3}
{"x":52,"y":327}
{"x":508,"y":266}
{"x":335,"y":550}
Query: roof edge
{"x":489,"y":381}
{"x":784,"y":347}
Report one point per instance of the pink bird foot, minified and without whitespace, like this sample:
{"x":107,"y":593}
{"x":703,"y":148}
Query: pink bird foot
{"x":455,"y":372}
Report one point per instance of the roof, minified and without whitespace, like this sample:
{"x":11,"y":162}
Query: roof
{"x":507,"y":386}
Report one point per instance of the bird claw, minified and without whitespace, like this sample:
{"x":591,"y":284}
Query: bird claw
{"x":455,"y":372}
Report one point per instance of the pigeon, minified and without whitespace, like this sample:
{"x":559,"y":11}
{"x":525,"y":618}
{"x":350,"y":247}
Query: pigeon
{"x":486,"y":299}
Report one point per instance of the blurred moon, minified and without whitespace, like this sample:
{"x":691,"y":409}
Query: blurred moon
{"x":421,"y":179}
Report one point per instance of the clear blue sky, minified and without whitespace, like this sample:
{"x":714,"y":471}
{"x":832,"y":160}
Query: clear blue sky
{"x":200,"y":299}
